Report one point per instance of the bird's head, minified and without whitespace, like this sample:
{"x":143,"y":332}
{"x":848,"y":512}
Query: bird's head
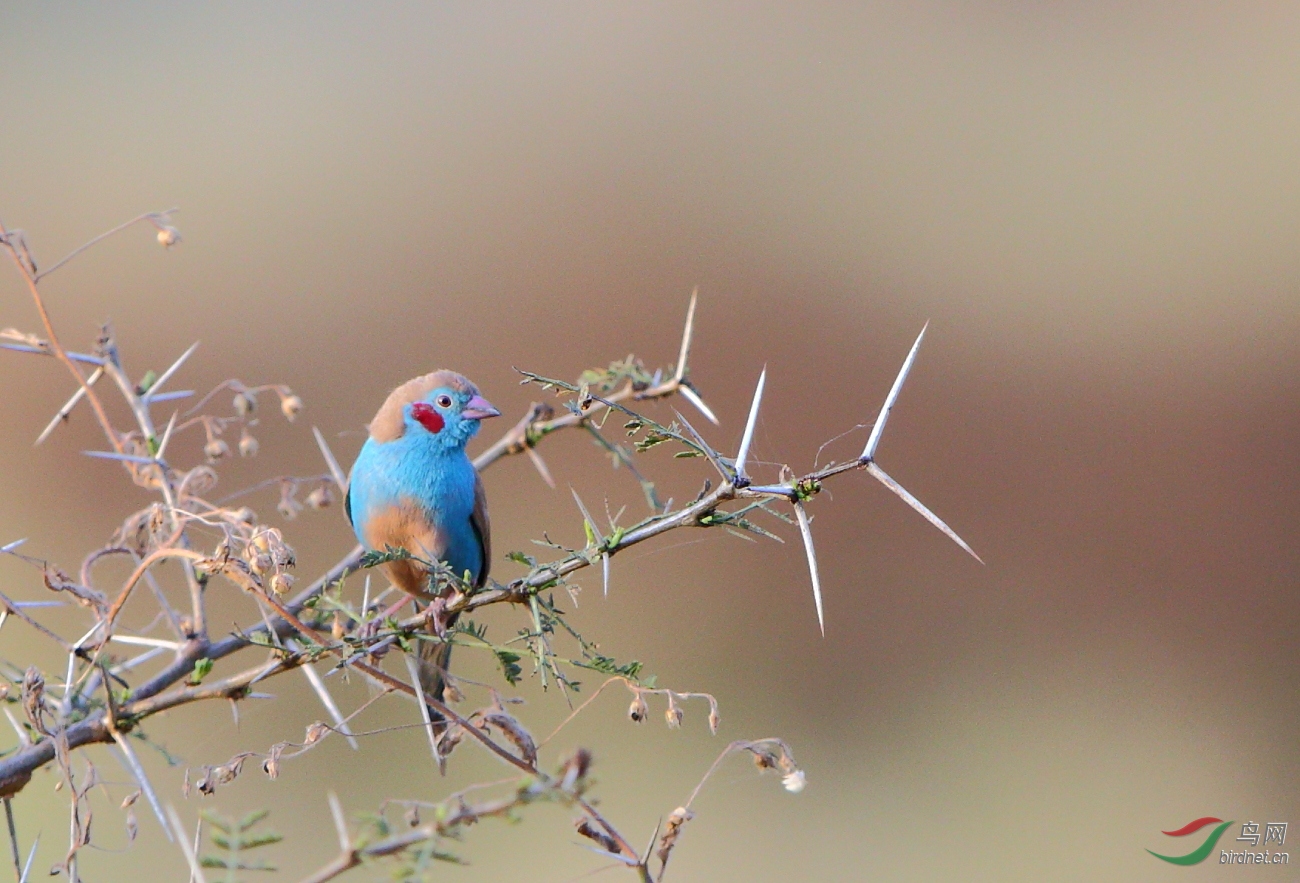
{"x":444,"y":407}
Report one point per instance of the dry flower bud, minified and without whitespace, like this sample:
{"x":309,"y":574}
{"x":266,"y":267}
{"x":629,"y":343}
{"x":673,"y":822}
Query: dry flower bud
{"x":515,"y":733}
{"x":281,"y":583}
{"x":794,"y":782}
{"x":260,"y":563}
{"x":320,"y":498}
{"x":168,"y":236}
{"x":245,"y":403}
{"x":271,"y":766}
{"x":714,"y":721}
{"x":315,"y":733}
{"x":247,"y":445}
{"x":291,"y":405}
{"x":215,"y":449}
{"x":450,"y":740}
{"x":673,"y":715}
{"x":130,"y":799}
{"x":637,"y":711}
{"x":246,"y":515}
{"x":451,"y":692}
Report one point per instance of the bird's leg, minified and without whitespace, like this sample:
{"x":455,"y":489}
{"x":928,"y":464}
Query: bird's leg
{"x":435,"y":617}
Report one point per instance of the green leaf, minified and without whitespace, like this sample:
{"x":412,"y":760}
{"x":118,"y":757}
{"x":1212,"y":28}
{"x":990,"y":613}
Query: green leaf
{"x":509,"y":665}
{"x":521,"y":558}
{"x":202,"y":668}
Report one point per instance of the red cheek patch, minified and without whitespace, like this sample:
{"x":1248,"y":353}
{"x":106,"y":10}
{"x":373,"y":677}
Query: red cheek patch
{"x":427,"y":417}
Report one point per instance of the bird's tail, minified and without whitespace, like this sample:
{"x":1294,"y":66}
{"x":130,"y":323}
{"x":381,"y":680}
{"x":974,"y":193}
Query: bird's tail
{"x":431,"y":665}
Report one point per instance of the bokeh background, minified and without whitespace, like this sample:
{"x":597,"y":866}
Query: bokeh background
{"x":1095,"y":205}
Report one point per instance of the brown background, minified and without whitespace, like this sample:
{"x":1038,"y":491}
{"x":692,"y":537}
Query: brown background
{"x":1095,"y":205}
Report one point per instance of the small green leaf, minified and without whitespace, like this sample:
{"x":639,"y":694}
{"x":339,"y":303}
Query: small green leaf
{"x":509,"y":665}
{"x":202,"y":668}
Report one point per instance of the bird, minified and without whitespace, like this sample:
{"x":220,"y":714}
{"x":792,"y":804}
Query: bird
{"x":413,"y":487}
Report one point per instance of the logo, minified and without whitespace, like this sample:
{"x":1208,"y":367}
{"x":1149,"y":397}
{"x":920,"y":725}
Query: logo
{"x":1199,"y":854}
{"x":1274,"y":832}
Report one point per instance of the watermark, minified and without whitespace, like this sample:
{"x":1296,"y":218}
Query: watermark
{"x":1274,"y":832}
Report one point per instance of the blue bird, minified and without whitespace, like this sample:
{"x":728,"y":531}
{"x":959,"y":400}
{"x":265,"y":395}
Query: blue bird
{"x":413,"y":487}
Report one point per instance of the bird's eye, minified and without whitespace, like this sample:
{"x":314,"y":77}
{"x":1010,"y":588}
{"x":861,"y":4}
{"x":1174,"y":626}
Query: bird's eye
{"x":444,"y":401}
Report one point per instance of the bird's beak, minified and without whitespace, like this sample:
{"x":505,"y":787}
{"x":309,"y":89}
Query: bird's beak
{"x":479,"y":408}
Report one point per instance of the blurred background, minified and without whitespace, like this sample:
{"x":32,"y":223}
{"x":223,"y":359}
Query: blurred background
{"x":1095,"y":206}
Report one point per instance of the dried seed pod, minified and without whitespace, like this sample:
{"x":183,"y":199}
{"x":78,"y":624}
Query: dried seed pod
{"x":215,"y":449}
{"x":515,"y":733}
{"x":673,"y":830}
{"x":260,"y":563}
{"x":321,"y":497}
{"x":794,"y":781}
{"x":450,"y":740}
{"x":290,"y":406}
{"x":247,"y":445}
{"x":281,"y":583}
{"x":168,"y":236}
{"x":673,"y":715}
{"x":245,"y":403}
{"x":638,"y":710}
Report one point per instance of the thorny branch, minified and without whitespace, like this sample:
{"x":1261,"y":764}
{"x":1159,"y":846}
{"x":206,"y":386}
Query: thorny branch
{"x":299,"y":630}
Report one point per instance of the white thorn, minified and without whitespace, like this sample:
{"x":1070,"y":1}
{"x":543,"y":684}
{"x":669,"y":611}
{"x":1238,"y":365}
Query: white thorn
{"x":31,"y":856}
{"x":749,"y":425}
{"x":146,"y":642}
{"x":327,"y":700}
{"x":167,"y":435}
{"x":586,"y":515}
{"x":873,"y":441}
{"x":881,"y":476}
{"x":686,"y":337}
{"x":340,"y":823}
{"x":125,"y":458}
{"x":166,"y":375}
{"x":69,"y":405}
{"x":806,"y":529}
{"x":133,"y":766}
{"x":604,"y":563}
{"x":694,"y":398}
{"x":413,"y":670}
{"x":195,"y":869}
{"x":335,"y":471}
{"x":540,"y":465}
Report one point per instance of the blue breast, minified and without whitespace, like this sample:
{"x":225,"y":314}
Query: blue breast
{"x":439,"y":480}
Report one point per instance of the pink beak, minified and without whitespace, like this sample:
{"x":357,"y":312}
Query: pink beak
{"x":479,"y":408}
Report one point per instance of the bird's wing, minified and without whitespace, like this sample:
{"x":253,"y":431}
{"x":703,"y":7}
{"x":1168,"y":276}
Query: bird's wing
{"x":478,"y":520}
{"x":347,"y":506}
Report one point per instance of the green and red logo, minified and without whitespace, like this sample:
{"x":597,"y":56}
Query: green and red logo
{"x":1199,"y":854}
